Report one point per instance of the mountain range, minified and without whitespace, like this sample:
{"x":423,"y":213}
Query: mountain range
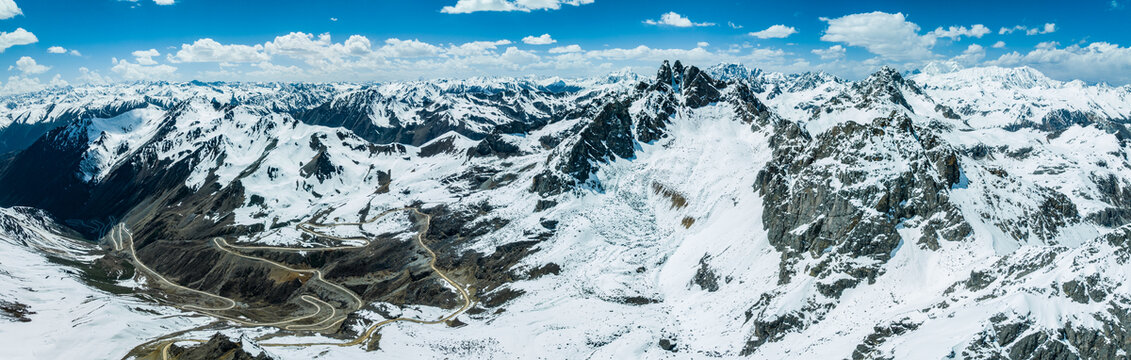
{"x":716,"y":212}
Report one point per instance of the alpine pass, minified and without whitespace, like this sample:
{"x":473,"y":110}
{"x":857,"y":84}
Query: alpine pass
{"x":565,"y":179}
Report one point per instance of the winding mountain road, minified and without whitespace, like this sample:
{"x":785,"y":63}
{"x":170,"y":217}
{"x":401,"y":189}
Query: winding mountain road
{"x":117,"y":241}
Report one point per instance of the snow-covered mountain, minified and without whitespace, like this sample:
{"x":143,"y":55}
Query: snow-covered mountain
{"x":724,"y":212}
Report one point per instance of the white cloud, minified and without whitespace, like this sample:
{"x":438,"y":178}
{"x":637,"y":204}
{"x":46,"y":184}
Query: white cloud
{"x":775,"y":32}
{"x":136,"y":71}
{"x":334,"y":19}
{"x":733,"y":25}
{"x":8,"y":9}
{"x":972,"y":55}
{"x":695,"y":55}
{"x":890,"y":36}
{"x":310,"y":57}
{"x":544,"y":39}
{"x":268,"y":71}
{"x":208,"y":50}
{"x":163,"y":2}
{"x":832,"y":53}
{"x":1010,"y":30}
{"x":702,"y":44}
{"x":24,"y":84}
{"x":475,"y":47}
{"x":518,"y":57}
{"x":1098,"y":61}
{"x":1048,"y":28}
{"x":18,"y":37}
{"x":87,"y":76}
{"x":998,"y":45}
{"x":322,"y":51}
{"x":57,"y":50}
{"x":28,"y":66}
{"x":677,"y":20}
{"x":566,"y":49}
{"x":957,"y":32}
{"x":145,"y":57}
{"x":408,"y":48}
{"x":470,"y":6}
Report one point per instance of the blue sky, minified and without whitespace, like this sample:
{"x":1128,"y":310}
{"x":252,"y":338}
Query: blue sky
{"x":71,"y":42}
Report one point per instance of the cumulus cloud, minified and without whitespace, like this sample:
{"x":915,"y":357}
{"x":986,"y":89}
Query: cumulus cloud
{"x":311,"y":57}
{"x":1010,"y":30}
{"x":544,"y":39}
{"x":677,"y":20}
{"x":87,"y":76}
{"x":733,"y":25}
{"x":28,"y":66}
{"x":145,"y":57}
{"x":18,"y":37}
{"x":1096,"y":62}
{"x":408,"y":48}
{"x":57,"y":50}
{"x":566,"y":49}
{"x":957,"y":32}
{"x":23,"y":84}
{"x":475,"y":48}
{"x":163,"y":2}
{"x":972,"y":55}
{"x":775,"y":32}
{"x":8,"y":9}
{"x":137,"y":71}
{"x":208,"y":50}
{"x":998,"y":45}
{"x":888,"y":35}
{"x":832,"y":53}
{"x":1048,"y":28}
{"x":470,"y":6}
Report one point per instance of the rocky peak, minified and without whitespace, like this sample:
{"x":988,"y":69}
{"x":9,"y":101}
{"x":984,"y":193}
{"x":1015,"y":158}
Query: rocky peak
{"x":664,"y":75}
{"x":606,"y":137}
{"x":885,"y":85}
{"x":830,"y":200}
{"x":696,"y":86}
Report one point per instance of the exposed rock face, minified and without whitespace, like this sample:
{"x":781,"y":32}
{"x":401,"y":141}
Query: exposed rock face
{"x":830,"y":195}
{"x":613,"y":130}
{"x":219,"y":347}
{"x":833,"y":203}
{"x":1020,"y":338}
{"x":494,"y":145}
{"x":1117,"y":193}
{"x":321,"y":167}
{"x":15,"y":311}
{"x":608,"y":136}
{"x":880,"y":334}
{"x":884,"y":89}
{"x":705,"y":277}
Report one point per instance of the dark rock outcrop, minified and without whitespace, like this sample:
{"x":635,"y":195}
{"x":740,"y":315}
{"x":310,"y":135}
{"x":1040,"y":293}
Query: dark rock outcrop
{"x":607,"y":137}
{"x":218,"y":347}
{"x":834,"y":199}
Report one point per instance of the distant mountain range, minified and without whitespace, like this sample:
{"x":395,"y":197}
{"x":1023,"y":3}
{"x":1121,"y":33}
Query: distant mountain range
{"x":720,"y":212}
